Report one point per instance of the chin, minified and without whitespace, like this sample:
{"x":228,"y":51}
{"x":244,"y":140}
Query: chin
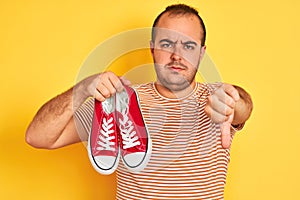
{"x":177,"y":86}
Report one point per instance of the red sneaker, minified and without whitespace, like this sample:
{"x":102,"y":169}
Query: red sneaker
{"x":135,"y":142}
{"x":103,"y":146}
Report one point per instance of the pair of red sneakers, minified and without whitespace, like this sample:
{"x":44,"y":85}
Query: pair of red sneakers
{"x":119,"y":130}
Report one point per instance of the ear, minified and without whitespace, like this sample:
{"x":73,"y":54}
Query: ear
{"x":202,"y":52}
{"x":151,"y":47}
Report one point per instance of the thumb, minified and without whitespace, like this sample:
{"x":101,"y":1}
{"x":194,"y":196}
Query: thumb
{"x":225,"y":132}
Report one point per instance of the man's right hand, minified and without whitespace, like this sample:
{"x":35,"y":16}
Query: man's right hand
{"x":104,"y":85}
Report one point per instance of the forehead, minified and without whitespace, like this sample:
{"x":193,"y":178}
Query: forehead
{"x":185,"y":27}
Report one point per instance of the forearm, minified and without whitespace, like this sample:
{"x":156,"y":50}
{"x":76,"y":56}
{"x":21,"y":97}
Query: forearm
{"x":243,"y":107}
{"x":53,"y":118}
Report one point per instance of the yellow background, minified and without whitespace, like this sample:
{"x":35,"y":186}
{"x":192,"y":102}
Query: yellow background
{"x":254,"y":44}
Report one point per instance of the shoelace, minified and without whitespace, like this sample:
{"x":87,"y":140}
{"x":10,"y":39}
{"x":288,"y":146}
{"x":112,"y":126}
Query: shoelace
{"x":104,"y":140}
{"x":126,"y":128}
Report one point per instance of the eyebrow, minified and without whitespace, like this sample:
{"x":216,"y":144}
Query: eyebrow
{"x":170,"y":41}
{"x":189,"y":42}
{"x":166,"y":40}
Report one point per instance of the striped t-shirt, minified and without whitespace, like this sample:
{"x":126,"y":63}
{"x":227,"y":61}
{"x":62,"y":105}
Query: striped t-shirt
{"x":187,"y":160}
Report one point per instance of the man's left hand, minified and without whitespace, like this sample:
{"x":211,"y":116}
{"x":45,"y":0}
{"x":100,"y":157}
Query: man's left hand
{"x":220,"y":108}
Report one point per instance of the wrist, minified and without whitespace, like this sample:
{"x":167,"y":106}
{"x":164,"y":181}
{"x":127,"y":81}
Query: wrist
{"x":80,"y":93}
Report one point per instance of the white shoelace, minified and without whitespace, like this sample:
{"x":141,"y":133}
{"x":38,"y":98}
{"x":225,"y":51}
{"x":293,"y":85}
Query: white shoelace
{"x":126,"y":126}
{"x":104,"y":139}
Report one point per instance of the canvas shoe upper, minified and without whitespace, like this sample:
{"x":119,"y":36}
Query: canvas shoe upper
{"x":135,"y":142}
{"x":103,"y":147}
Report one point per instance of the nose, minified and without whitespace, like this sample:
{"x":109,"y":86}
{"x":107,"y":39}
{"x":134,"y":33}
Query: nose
{"x":175,"y":54}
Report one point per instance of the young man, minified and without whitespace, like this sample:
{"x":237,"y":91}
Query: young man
{"x":191,"y":124}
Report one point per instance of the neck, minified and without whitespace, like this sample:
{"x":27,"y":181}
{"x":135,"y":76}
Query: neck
{"x":166,"y":92}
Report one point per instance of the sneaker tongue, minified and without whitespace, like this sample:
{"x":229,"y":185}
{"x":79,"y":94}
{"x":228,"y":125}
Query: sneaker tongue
{"x":108,"y":105}
{"x":122,"y":102}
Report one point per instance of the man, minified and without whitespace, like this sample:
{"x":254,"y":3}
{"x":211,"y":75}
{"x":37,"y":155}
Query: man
{"x":191,"y":124}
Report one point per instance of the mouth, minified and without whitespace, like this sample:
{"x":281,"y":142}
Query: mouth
{"x":176,"y":68}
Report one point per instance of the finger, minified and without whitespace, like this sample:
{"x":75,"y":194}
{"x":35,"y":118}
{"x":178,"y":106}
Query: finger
{"x":219,"y":106}
{"x":231,"y":91}
{"x":109,"y":85}
{"x":224,"y":97}
{"x":116,"y":83}
{"x":102,"y":90}
{"x":225,"y":135}
{"x":215,"y":116}
{"x":125,"y":81}
{"x":98,"y":96}
{"x":111,"y":81}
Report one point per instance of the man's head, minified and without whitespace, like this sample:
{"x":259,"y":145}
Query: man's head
{"x":180,"y":10}
{"x":177,"y":46}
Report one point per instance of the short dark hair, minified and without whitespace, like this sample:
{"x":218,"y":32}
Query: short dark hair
{"x":180,"y":9}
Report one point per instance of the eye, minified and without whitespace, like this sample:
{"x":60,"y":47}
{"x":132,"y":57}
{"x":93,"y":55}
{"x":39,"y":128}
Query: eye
{"x":166,"y":45}
{"x":189,"y":46}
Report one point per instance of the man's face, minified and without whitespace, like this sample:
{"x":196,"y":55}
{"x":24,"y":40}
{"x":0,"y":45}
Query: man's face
{"x":177,"y":50}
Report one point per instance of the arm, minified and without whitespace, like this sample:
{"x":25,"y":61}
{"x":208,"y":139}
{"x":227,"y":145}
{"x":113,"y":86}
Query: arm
{"x":229,"y":106}
{"x":53,"y":126}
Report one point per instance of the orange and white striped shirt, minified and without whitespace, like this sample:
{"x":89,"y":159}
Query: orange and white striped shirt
{"x":187,"y":160}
